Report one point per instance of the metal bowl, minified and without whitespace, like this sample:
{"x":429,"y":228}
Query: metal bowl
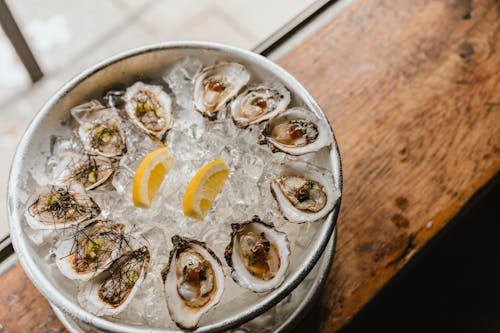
{"x":34,"y":149}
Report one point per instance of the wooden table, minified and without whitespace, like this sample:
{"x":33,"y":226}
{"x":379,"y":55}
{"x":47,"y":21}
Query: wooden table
{"x":412,"y":89}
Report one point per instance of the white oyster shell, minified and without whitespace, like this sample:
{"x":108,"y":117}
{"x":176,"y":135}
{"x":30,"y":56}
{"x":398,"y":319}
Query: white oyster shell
{"x":214,"y":86}
{"x":305,"y":171}
{"x":109,"y":238}
{"x":277,"y":137}
{"x":54,"y":207}
{"x":85,"y":170}
{"x":182,"y":313}
{"x":127,"y":272}
{"x":101,"y":129}
{"x":156,"y":117}
{"x":259,"y":103}
{"x":241,"y":274}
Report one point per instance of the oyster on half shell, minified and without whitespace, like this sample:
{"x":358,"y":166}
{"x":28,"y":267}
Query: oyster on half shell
{"x":91,"y":249}
{"x":304,"y":192}
{"x":296,"y":131}
{"x":85,"y":170}
{"x":214,"y":86}
{"x":110,"y":292}
{"x":193,"y":281}
{"x":149,"y":108}
{"x":57,"y":207}
{"x":259,"y":103}
{"x":258,"y":255}
{"x":100,"y":129}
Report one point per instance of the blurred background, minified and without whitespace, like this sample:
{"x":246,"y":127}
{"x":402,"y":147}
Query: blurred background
{"x":66,"y":37}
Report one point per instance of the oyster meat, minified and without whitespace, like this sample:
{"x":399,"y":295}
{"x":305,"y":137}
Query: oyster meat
{"x":258,"y":255}
{"x":296,"y":131}
{"x":100,"y":129}
{"x":91,"y":249}
{"x":259,"y":103}
{"x":214,"y":86}
{"x":84,"y":170}
{"x":60,"y":207}
{"x":193,"y":281}
{"x":110,"y":292}
{"x":149,"y":108}
{"x":304,"y":192}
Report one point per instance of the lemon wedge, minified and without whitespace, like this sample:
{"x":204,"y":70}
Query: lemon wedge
{"x":204,"y":187}
{"x":149,"y":176}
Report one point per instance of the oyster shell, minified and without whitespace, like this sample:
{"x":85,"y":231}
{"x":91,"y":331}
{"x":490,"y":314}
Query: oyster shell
{"x":110,"y":292}
{"x":149,"y":108}
{"x":193,"y":281}
{"x":296,"y":131}
{"x":100,"y":129}
{"x":90,"y":250}
{"x":87,"y":171}
{"x":304,"y":192}
{"x":258,"y":255}
{"x":214,"y":86}
{"x":60,"y":207}
{"x":259,"y":103}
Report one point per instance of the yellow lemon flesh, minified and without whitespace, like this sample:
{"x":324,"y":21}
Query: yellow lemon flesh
{"x":149,"y":176}
{"x":204,"y":188}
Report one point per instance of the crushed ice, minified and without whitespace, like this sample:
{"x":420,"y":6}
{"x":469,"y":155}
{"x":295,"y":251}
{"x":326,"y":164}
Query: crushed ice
{"x":193,"y":142}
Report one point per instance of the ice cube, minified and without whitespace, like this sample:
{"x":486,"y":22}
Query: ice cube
{"x":179,"y":78}
{"x":214,"y":144}
{"x":190,"y":122}
{"x":122,"y":181}
{"x":248,"y":136}
{"x":60,"y":145}
{"x":83,"y":112}
{"x":184,"y":147}
{"x":251,"y":166}
{"x":224,"y":128}
{"x":105,"y":201}
{"x":138,"y":142}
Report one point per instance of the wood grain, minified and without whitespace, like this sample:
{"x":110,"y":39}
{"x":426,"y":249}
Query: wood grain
{"x":412,"y":89}
{"x":23,"y":308}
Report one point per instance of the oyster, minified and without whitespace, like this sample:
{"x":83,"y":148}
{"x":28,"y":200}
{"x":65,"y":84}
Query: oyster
{"x":149,"y":109}
{"x":259,"y":103}
{"x":193,"y":281}
{"x":296,"y":131}
{"x":304,"y":192}
{"x":100,"y":129}
{"x":87,"y":171}
{"x":91,"y":249}
{"x":110,"y":292}
{"x":258,"y":255}
{"x":61,"y":207}
{"x":214,"y":86}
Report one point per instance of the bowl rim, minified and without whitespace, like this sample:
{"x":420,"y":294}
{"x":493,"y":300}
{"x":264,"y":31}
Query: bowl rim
{"x":268,"y":300}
